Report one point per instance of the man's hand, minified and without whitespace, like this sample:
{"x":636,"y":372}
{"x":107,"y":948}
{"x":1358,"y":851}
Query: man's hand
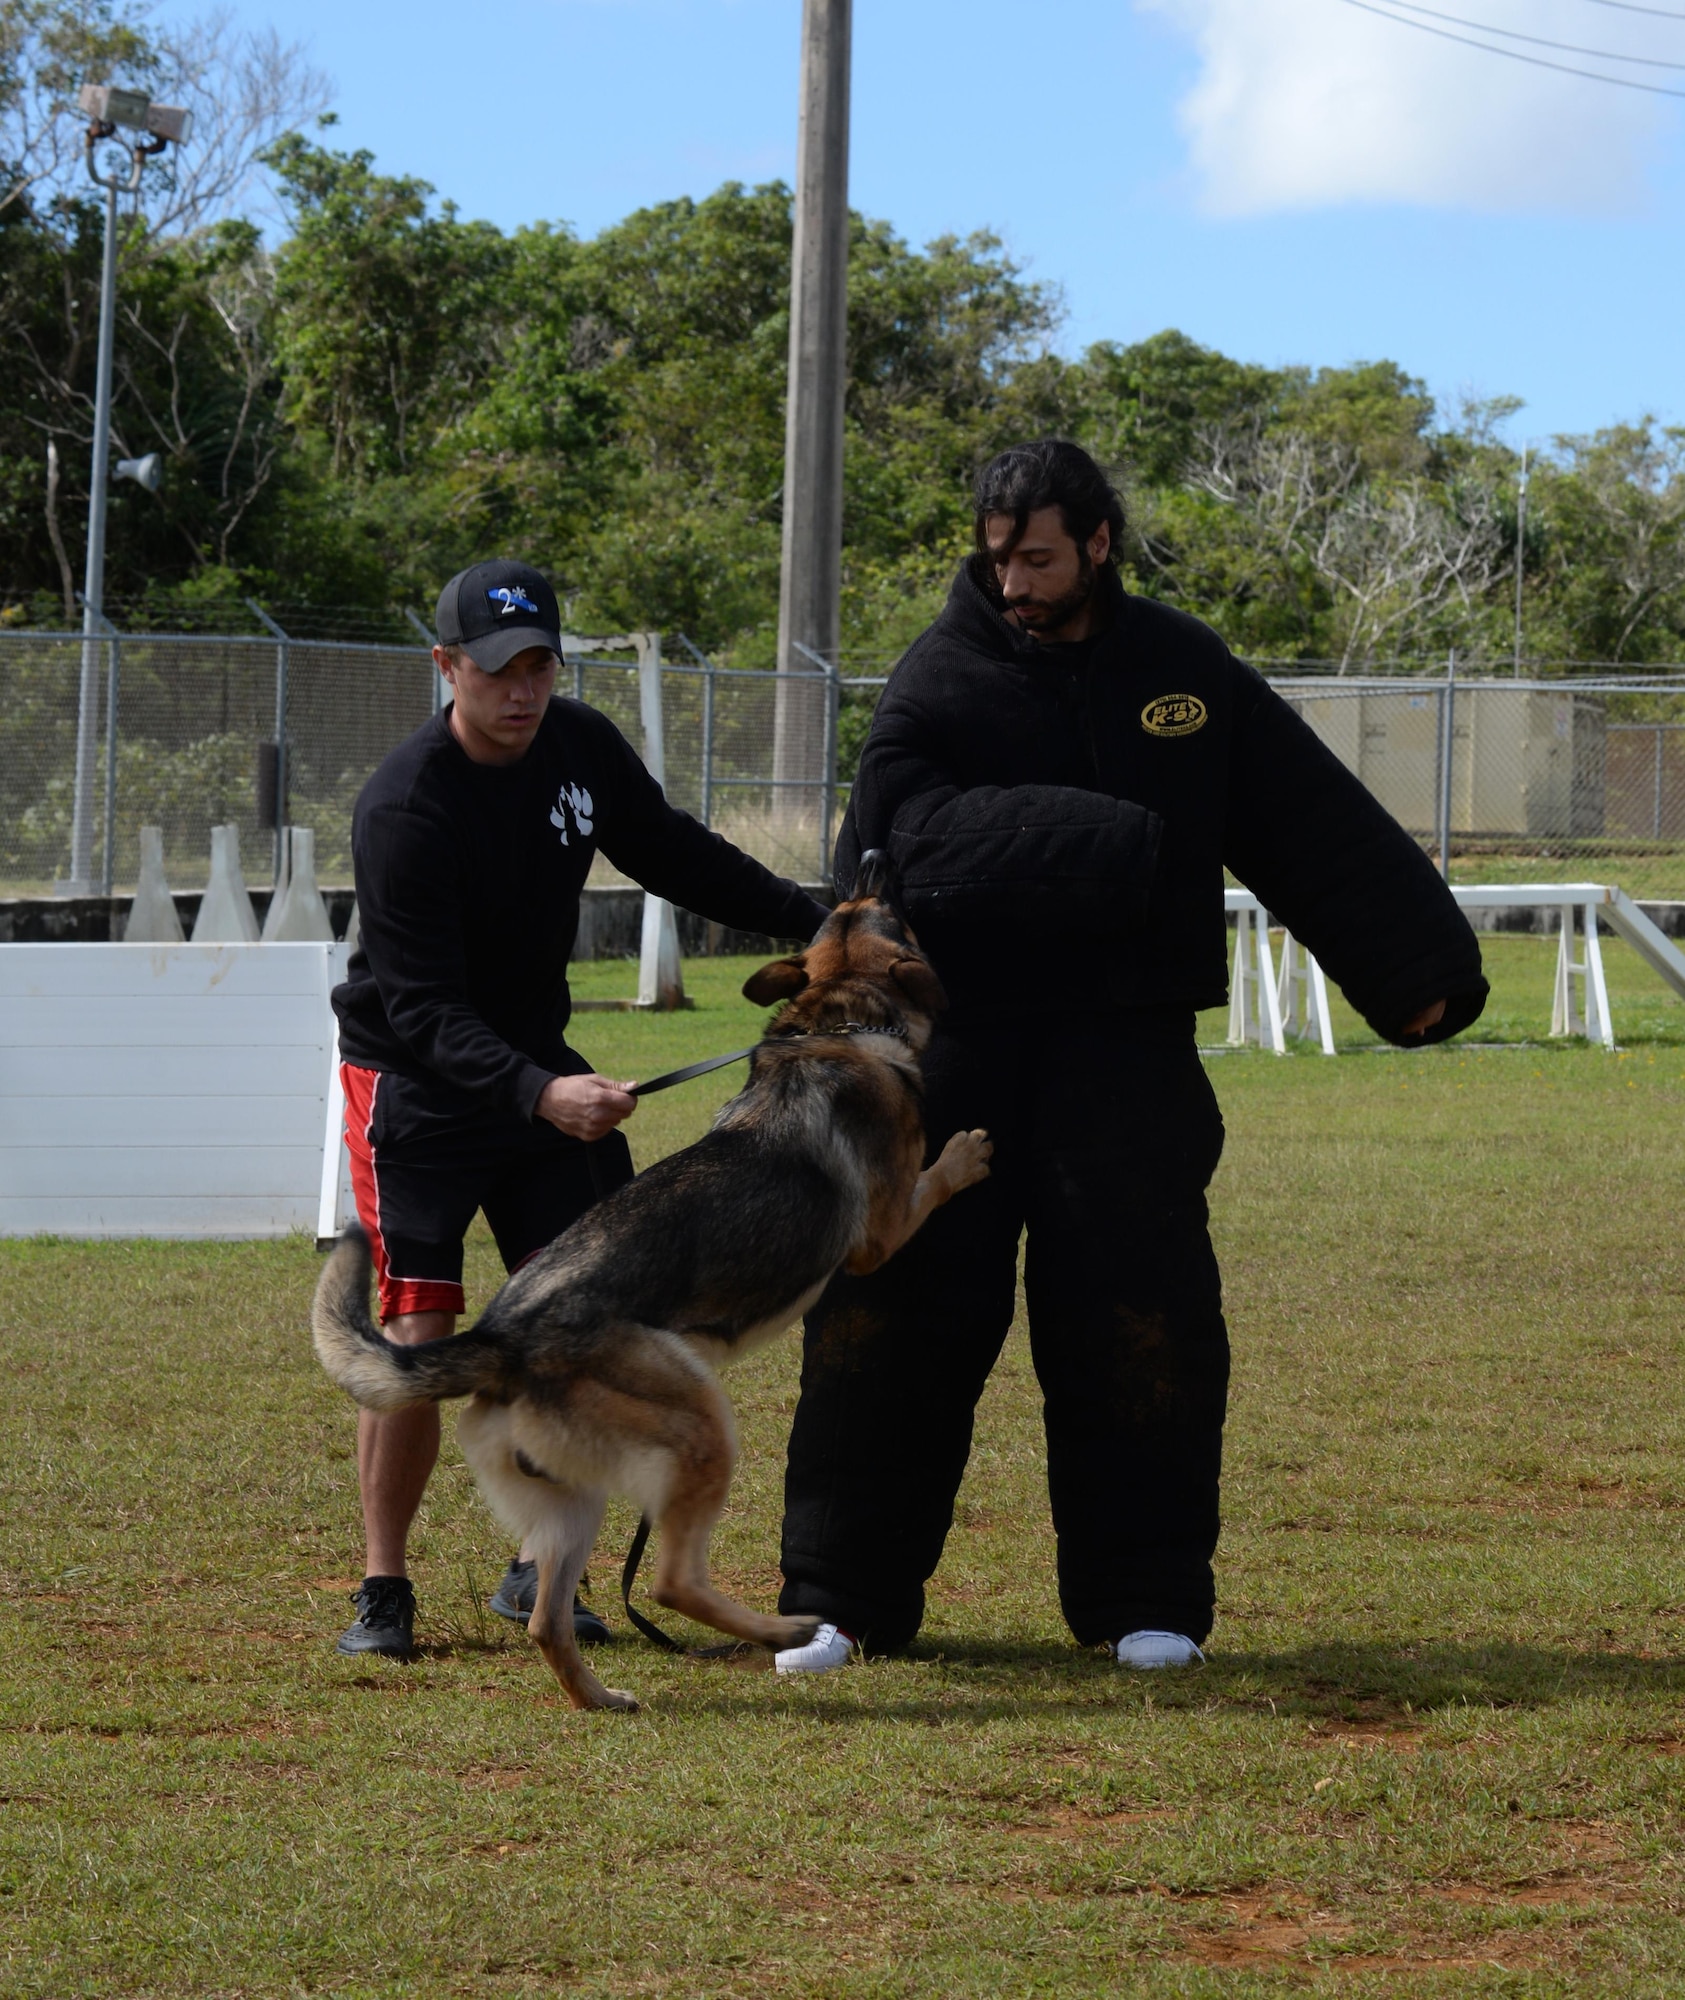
{"x":585,"y":1107}
{"x":1429,"y":1017}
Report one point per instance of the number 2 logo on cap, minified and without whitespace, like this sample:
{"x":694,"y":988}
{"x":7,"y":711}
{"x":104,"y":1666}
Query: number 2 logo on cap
{"x":1173,"y":715}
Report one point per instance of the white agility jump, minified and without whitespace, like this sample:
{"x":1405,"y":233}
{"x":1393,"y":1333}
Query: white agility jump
{"x":1270,"y":999}
{"x":165,"y":1090}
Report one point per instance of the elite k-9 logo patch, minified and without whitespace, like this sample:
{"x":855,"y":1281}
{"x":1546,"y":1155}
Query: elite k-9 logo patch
{"x":1173,"y":715}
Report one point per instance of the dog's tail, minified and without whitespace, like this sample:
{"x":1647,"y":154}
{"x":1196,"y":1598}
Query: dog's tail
{"x":377,"y":1372}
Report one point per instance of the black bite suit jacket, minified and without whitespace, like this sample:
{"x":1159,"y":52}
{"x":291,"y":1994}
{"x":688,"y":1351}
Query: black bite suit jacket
{"x":1060,"y":821}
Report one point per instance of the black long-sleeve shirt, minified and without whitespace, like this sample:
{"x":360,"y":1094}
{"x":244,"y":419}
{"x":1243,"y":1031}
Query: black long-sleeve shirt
{"x":468,"y":882}
{"x":1060,"y":819}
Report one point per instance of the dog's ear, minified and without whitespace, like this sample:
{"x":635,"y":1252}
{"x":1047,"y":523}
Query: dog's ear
{"x":920,"y":984}
{"x":783,"y":979}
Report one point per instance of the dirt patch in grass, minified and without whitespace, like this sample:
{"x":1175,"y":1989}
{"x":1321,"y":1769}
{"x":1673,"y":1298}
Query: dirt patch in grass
{"x":1272,"y":1925}
{"x":495,"y":1777}
{"x":1075,"y":1823}
{"x":812,"y":1899}
{"x":1565,"y":1892}
{"x":1497,"y":1957}
{"x":1371,"y":1735}
{"x":1280,"y":1926}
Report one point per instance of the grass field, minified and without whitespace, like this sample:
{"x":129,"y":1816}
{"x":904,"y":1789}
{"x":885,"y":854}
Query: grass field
{"x":1439,"y":1746}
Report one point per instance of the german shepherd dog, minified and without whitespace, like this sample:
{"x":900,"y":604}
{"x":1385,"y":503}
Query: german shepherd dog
{"x":593,"y":1370}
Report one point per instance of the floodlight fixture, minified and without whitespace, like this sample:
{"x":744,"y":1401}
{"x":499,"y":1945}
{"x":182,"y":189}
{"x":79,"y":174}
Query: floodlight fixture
{"x":111,"y":104}
{"x":169,"y":121}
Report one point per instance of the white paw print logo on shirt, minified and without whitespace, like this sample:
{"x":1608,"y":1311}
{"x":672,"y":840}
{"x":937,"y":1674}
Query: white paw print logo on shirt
{"x":579,"y":800}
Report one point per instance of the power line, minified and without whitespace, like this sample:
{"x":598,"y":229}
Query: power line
{"x":1515,"y":55}
{"x":1632,"y":7}
{"x":1538,"y":41}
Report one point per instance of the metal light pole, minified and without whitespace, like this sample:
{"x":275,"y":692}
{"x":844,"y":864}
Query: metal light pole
{"x":1520,"y":554}
{"x":810,"y":582}
{"x":107,"y":108}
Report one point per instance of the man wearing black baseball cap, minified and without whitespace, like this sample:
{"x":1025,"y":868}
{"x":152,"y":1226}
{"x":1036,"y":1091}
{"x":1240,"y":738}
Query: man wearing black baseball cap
{"x":471,"y":844}
{"x":499,"y":609}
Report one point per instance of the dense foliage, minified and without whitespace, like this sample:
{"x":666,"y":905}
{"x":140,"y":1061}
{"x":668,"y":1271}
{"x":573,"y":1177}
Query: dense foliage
{"x":393,"y":390}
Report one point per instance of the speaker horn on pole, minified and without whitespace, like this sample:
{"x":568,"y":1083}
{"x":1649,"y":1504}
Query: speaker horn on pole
{"x":147,"y":471}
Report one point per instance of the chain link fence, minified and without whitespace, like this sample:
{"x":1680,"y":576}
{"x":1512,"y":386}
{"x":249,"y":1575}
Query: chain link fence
{"x":183,"y":731}
{"x":722,"y":763}
{"x":1582,"y":771}
{"x":186,"y":731}
{"x":1505,"y":778}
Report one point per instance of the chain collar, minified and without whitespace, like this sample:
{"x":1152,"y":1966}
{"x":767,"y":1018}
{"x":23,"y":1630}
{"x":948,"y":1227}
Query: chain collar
{"x":843,"y":1028}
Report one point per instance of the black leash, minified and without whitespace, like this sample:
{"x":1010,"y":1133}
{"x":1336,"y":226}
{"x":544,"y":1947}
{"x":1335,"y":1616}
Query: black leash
{"x":628,"y":1576}
{"x":719,"y":1062}
{"x":690,"y":1069}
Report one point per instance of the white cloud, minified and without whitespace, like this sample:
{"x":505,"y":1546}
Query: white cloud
{"x":1314,"y":103}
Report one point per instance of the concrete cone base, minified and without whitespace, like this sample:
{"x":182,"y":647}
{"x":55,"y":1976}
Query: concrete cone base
{"x":300,"y":916}
{"x":152,"y":915}
{"x":225,"y":916}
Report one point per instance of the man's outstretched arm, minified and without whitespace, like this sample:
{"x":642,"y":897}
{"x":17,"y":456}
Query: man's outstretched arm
{"x":1321,"y":852}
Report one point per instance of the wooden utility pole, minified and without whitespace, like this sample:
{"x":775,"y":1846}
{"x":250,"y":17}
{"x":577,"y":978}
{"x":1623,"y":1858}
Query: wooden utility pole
{"x":810,"y":583}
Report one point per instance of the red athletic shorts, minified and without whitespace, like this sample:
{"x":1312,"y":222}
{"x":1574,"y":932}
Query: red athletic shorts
{"x":422,"y":1164}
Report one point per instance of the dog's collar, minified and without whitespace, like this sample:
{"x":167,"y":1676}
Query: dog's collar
{"x":842,"y":1028}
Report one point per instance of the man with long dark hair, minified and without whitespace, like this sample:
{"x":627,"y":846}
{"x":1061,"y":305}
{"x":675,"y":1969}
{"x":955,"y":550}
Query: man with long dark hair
{"x":1060,"y":772}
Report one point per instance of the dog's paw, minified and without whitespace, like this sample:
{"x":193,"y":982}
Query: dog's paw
{"x":618,"y":1698}
{"x":783,"y":1633}
{"x":965,"y":1159}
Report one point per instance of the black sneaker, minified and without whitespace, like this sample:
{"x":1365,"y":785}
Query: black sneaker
{"x":518,"y":1592}
{"x":385,"y":1621}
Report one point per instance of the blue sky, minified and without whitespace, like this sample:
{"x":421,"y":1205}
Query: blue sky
{"x":1289,"y":180}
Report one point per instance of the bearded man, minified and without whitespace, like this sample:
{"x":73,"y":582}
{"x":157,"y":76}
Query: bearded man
{"x":1061,"y":772}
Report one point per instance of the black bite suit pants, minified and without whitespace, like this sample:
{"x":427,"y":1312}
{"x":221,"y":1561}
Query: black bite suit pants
{"x":1106,"y":1136}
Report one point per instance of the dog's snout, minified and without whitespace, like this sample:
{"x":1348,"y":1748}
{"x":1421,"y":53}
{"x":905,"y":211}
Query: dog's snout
{"x":874,"y":875}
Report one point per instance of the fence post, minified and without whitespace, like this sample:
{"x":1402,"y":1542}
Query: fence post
{"x":708,"y":673}
{"x":660,"y":975}
{"x":1660,"y":740}
{"x":80,"y":881}
{"x":828,"y":801}
{"x":1446,"y":740}
{"x":427,"y":633}
{"x":282,"y":649}
{"x":81,"y":818}
{"x":112,"y":676}
{"x":708,"y":677}
{"x":828,"y":674}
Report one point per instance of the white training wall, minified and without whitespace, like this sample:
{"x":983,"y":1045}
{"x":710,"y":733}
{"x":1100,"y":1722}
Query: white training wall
{"x":164,"y":1090}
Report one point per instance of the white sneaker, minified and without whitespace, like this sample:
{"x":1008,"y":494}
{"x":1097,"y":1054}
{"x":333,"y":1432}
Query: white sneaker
{"x":827,"y":1650}
{"x":1155,"y":1649}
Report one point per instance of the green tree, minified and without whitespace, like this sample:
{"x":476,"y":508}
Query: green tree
{"x":193,"y":375}
{"x":385,"y":308}
{"x":1612,"y":580}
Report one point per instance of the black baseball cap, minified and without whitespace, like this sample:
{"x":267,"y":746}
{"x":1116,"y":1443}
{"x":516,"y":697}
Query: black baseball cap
{"x":496,"y":610}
